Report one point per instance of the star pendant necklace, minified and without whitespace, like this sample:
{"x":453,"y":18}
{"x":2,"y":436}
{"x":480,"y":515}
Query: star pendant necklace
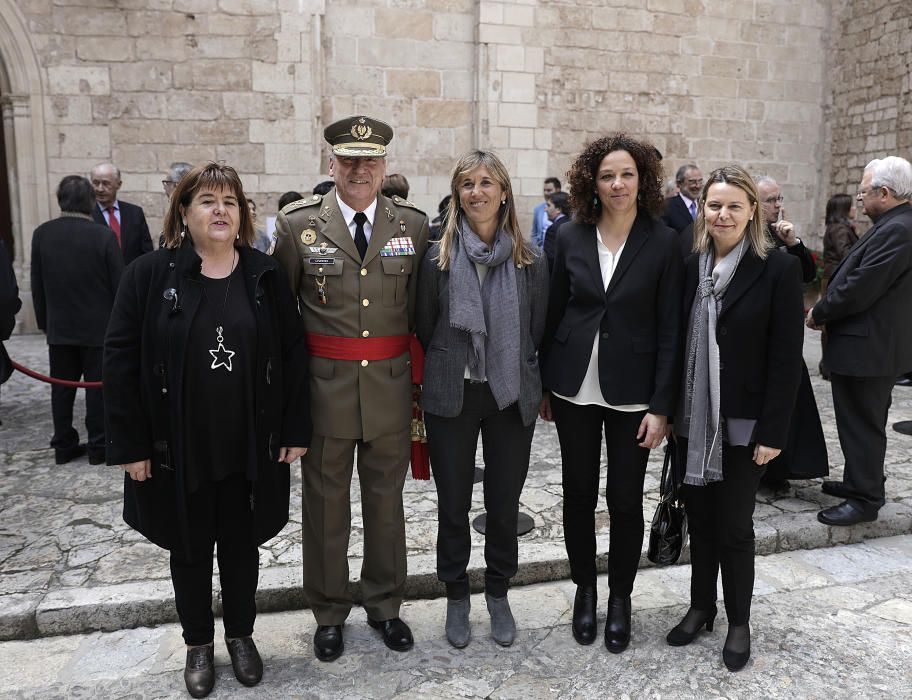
{"x":221,"y":356}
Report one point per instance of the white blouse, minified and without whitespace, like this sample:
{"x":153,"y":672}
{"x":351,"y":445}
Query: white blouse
{"x":590,"y":392}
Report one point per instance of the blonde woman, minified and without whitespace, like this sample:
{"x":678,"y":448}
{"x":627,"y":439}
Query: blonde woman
{"x":742,"y":365}
{"x":481,"y":298}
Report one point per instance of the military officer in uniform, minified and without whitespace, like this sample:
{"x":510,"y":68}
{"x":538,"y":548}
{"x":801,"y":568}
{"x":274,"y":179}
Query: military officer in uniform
{"x":352,"y":256}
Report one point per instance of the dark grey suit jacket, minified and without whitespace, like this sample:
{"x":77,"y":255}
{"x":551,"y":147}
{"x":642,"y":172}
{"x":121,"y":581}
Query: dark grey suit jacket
{"x":134,"y":231}
{"x":866,"y":307}
{"x":447,"y":348}
{"x":76,"y":268}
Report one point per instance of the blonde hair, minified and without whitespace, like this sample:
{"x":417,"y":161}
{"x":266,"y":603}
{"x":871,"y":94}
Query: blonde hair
{"x":508,"y":221}
{"x":755,"y":231}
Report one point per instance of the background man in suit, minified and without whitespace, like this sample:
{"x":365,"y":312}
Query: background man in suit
{"x":175,"y":174}
{"x":352,"y":258}
{"x":128,"y":222}
{"x":540,"y":220}
{"x":781,"y":231}
{"x":869,"y":337}
{"x":76,"y":267}
{"x":681,"y":210}
{"x":558,"y":211}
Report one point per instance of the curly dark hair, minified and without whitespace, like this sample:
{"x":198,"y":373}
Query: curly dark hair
{"x":583,"y":171}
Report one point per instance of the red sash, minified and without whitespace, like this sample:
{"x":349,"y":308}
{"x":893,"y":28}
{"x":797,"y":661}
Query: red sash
{"x":384,"y":348}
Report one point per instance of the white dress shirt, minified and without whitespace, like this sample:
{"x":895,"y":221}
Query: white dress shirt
{"x":349,"y":215}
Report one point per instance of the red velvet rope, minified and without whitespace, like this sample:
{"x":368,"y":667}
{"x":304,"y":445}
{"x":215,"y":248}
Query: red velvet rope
{"x":51,"y":380}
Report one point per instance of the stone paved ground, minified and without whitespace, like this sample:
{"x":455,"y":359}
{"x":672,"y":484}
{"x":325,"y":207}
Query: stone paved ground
{"x":832,"y":623}
{"x":68,"y":563}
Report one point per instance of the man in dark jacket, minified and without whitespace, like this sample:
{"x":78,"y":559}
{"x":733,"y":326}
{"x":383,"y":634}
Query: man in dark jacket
{"x":9,"y":307}
{"x":127,"y":221}
{"x":869,"y":337}
{"x":781,"y":231}
{"x":76,"y":267}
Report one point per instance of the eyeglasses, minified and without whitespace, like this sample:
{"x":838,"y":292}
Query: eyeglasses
{"x":774,"y":200}
{"x":862,"y":193}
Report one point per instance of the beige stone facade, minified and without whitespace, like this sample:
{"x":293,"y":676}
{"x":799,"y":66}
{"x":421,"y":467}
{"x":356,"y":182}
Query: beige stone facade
{"x":771,"y":84}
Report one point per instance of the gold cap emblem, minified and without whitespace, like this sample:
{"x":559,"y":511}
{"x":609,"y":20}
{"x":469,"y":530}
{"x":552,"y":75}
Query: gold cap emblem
{"x":360,"y":130}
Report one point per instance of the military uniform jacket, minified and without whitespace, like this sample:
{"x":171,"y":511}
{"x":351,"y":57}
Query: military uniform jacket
{"x":354,"y":399}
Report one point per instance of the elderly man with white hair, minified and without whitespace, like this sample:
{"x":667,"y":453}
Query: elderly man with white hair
{"x":869,"y":343}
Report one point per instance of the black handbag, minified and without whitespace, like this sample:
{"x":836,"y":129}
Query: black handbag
{"x":668,"y":531}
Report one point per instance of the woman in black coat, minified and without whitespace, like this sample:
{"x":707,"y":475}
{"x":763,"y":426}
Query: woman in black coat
{"x":743,"y":340}
{"x":206,"y":405}
{"x":609,"y":358}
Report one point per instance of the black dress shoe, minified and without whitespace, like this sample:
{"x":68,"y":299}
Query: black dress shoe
{"x":737,"y":649}
{"x":687,"y":629}
{"x":245,"y":660}
{"x":584,"y":614}
{"x":199,"y":670}
{"x":62,"y":455}
{"x":617,"y":626}
{"x":844,"y":514}
{"x":396,"y":634}
{"x":835,"y":488}
{"x":328,"y":644}
{"x":903,"y":381}
{"x":96,"y":457}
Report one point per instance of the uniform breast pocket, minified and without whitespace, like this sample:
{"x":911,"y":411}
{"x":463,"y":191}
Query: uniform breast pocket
{"x":396,"y":271}
{"x":321,"y":284}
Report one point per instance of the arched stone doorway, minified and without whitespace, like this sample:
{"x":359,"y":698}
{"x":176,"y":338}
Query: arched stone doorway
{"x":22,"y":109}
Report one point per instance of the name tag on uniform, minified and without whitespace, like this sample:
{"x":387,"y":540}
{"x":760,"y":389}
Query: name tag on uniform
{"x":321,"y":261}
{"x":401,"y":245}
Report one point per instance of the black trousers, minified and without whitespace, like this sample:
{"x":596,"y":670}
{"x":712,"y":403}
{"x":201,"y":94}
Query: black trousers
{"x":861,"y":405}
{"x":579,"y":429}
{"x":506,"y":444}
{"x":720,"y":518}
{"x":75,"y":362}
{"x":219,"y":512}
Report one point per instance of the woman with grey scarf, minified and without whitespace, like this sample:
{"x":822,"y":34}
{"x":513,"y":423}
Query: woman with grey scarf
{"x":480,"y":317}
{"x":742,"y":365}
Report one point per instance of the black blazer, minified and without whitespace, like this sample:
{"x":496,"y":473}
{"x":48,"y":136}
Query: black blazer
{"x":76,"y":267}
{"x":866,"y":307}
{"x":134,"y":231}
{"x":760,"y":333}
{"x":549,"y":241}
{"x":637,"y":317}
{"x":9,"y":307}
{"x":676,"y":214}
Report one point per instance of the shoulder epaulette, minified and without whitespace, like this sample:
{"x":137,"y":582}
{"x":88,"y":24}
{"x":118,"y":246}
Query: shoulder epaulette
{"x":405,"y":203}
{"x":311,"y":201}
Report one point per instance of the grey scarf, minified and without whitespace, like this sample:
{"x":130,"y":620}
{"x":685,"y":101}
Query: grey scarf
{"x":489,"y":313}
{"x":702,"y":394}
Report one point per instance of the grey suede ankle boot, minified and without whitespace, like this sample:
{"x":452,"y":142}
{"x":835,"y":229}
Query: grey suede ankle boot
{"x":503,"y":626}
{"x":458,"y":630}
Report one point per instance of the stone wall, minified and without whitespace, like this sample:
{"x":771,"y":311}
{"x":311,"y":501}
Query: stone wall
{"x":252,"y":82}
{"x":869,"y":104}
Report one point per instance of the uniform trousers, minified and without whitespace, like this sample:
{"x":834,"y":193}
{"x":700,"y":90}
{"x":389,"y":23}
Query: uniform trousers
{"x":73,"y":362}
{"x":861,"y":405}
{"x":720,"y":519}
{"x":326,"y":472}
{"x":506,"y":445}
{"x":579,"y":430}
{"x":219,"y":514}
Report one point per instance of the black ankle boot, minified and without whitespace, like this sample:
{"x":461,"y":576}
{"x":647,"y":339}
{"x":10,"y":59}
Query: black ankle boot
{"x":617,"y":626}
{"x":687,"y":629}
{"x":584,"y":614}
{"x":737,"y":649}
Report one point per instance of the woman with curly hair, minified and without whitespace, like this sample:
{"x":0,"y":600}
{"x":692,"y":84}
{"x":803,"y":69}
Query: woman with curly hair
{"x":610,"y":361}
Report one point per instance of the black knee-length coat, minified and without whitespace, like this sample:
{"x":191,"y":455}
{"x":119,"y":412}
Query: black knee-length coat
{"x":144,"y":360}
